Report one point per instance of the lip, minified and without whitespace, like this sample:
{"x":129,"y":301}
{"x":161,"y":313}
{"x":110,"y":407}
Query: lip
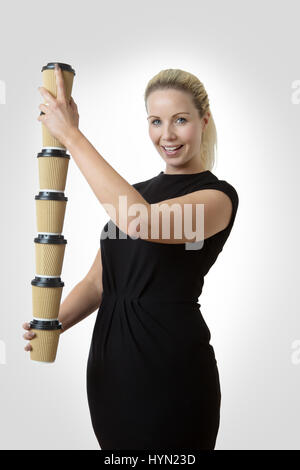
{"x":175,"y":152}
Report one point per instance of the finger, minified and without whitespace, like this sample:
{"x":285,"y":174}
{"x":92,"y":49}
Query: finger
{"x":60,"y":85}
{"x":49,"y":98}
{"x":28,"y":347}
{"x":44,"y":108}
{"x":41,"y":117}
{"x":73,"y":105}
{"x":26,"y":326}
{"x":29,"y":335}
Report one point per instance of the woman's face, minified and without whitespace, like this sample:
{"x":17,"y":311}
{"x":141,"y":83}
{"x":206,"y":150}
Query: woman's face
{"x":174,"y":121}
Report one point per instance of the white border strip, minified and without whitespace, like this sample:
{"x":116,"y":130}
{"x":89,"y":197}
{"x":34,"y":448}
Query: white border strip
{"x":45,"y":319}
{"x":42,"y":275}
{"x":57,"y":148}
{"x":49,"y":233}
{"x":51,"y":190}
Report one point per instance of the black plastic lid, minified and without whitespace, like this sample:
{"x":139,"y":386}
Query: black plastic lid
{"x":47,"y":282}
{"x":51,"y":66}
{"x":53,"y":153}
{"x":45,"y":325}
{"x":50,"y":239}
{"x":51,"y":196}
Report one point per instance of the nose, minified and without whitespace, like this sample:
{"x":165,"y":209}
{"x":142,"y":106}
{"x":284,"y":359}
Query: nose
{"x":168,"y":134}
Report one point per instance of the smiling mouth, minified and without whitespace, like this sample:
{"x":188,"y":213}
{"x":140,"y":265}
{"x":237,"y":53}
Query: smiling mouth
{"x":172,"y":152}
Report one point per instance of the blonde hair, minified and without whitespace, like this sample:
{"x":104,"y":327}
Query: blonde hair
{"x":185,"y":81}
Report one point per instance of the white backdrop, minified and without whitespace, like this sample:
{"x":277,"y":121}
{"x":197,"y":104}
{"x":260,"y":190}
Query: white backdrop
{"x":246,"y":54}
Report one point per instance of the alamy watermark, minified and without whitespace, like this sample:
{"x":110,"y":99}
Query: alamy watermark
{"x":295,"y":97}
{"x":295,"y":357}
{"x":139,"y":226}
{"x":2,"y":92}
{"x":2,"y":352}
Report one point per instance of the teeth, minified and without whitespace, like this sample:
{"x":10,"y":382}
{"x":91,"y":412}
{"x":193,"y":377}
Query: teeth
{"x":172,"y":148}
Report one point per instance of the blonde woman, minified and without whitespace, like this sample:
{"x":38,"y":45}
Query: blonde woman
{"x":152,"y":376}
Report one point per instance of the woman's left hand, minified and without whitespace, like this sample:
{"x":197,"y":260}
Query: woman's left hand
{"x":61,"y":117}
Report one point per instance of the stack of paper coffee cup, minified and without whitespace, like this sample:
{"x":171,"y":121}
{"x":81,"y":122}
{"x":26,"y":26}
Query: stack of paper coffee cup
{"x":50,"y":244}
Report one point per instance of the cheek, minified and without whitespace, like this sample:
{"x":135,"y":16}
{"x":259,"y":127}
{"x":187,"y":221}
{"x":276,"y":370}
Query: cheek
{"x":154,"y":134}
{"x":189,"y":134}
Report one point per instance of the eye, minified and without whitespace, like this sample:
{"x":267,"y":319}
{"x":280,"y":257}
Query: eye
{"x":155,"y":120}
{"x":152,"y":122}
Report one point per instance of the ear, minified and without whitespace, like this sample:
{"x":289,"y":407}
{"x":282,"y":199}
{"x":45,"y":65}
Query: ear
{"x":205,"y":120}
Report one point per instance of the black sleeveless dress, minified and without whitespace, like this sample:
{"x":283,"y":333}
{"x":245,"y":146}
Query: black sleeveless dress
{"x":152,"y":376}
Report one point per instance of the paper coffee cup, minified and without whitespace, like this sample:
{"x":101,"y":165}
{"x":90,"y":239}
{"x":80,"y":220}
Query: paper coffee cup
{"x":50,"y":211}
{"x":44,"y":344}
{"x":49,"y":254}
{"x":46,"y":296}
{"x":53,"y":168}
{"x":49,"y":82}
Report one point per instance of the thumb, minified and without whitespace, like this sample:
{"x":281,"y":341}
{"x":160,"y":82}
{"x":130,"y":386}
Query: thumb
{"x":73,"y":104}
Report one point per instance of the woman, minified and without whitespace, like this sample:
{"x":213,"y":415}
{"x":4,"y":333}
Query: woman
{"x":152,"y":377}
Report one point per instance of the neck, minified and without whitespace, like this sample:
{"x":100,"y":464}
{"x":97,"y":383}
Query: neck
{"x":173,"y":170}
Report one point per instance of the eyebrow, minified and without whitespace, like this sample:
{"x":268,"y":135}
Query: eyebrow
{"x":183,"y":112}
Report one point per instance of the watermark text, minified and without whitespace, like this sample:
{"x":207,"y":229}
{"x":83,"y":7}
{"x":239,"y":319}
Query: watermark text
{"x":2,"y":352}
{"x":163,"y":221}
{"x":2,"y":92}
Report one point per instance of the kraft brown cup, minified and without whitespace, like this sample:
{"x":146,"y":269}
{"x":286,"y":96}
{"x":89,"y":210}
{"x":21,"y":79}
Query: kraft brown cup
{"x":46,"y":297}
{"x":49,"y":82}
{"x":50,"y":211}
{"x":53,"y":168}
{"x":44,"y":344}
{"x":49,"y":254}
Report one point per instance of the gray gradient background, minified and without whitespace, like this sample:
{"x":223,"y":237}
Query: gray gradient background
{"x":247,"y":56}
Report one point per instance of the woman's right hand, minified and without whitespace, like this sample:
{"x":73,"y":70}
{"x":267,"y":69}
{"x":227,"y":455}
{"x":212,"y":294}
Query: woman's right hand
{"x":28,"y":335}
